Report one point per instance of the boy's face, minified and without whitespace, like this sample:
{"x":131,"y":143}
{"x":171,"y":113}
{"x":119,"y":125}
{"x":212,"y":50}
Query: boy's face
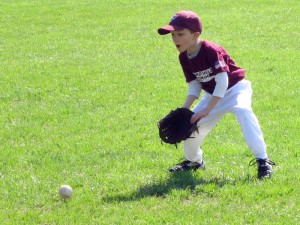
{"x":185,"y":40}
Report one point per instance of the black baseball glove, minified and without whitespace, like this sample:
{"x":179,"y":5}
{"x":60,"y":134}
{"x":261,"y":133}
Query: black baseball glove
{"x":176,"y":126}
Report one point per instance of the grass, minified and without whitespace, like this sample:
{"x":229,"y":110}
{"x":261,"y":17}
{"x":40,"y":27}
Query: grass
{"x":83,"y":84}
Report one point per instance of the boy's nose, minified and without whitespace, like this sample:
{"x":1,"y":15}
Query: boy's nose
{"x":175,"y":40}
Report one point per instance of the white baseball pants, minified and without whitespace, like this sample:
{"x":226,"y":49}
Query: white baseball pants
{"x":236,"y":100}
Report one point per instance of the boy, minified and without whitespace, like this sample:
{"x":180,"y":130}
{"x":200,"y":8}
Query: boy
{"x":208,"y":67}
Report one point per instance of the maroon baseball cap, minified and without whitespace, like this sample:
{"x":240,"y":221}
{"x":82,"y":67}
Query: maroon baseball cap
{"x":181,"y":20}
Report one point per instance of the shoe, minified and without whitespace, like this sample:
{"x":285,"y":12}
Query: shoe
{"x":187,"y":165}
{"x":264,"y":167}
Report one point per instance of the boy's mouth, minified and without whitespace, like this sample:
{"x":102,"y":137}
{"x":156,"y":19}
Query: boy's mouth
{"x":177,"y":46}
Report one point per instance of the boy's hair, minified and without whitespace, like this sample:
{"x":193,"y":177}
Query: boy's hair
{"x":192,"y":31}
{"x":181,"y":20}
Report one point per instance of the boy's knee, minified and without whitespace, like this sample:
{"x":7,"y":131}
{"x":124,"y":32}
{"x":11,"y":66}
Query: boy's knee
{"x":242,"y":111}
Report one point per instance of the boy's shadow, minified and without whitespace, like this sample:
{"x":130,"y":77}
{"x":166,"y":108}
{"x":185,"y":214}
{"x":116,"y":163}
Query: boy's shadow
{"x":180,"y":180}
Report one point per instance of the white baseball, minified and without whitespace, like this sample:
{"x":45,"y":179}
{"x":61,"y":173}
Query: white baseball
{"x":65,"y":191}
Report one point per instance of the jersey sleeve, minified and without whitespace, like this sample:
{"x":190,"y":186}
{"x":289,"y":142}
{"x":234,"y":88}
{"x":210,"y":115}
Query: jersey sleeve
{"x":221,"y":84}
{"x":218,"y":60}
{"x":194,"y":88}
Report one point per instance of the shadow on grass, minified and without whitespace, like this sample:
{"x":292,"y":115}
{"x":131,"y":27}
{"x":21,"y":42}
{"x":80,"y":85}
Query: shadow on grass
{"x":176,"y":181}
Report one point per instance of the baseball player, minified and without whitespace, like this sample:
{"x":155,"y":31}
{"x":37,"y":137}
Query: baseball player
{"x":208,"y":67}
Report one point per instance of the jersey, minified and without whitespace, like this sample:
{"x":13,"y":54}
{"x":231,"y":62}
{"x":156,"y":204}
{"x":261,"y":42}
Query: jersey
{"x":211,"y":60}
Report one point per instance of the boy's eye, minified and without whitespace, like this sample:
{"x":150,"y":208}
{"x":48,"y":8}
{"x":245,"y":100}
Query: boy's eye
{"x":180,"y":34}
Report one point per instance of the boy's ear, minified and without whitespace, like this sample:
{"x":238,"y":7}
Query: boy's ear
{"x":196,"y":34}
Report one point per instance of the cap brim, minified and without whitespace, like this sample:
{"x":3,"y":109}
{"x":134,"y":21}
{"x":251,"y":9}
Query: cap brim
{"x":168,"y":28}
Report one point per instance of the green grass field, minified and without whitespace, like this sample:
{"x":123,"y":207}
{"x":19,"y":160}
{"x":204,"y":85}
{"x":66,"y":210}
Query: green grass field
{"x":83,"y":84}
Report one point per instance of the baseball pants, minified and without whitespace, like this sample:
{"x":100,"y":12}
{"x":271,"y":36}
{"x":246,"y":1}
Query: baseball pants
{"x":237,"y":100}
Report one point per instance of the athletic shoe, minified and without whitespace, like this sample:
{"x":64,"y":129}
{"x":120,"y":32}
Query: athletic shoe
{"x":187,"y":165}
{"x":264,"y":167}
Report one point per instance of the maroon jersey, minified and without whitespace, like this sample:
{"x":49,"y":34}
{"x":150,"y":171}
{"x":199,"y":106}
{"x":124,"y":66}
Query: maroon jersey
{"x":211,"y":60}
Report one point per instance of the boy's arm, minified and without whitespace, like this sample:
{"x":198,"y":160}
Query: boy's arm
{"x":219,"y":92}
{"x":197,"y":116}
{"x":189,"y":101}
{"x":194,"y":90}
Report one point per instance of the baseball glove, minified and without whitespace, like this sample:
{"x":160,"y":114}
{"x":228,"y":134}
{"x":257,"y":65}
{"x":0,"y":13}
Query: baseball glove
{"x":176,"y":126}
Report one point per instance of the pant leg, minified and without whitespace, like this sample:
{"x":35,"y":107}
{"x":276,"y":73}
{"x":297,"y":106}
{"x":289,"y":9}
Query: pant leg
{"x":248,"y":121}
{"x":252,"y":132}
{"x":192,"y":146}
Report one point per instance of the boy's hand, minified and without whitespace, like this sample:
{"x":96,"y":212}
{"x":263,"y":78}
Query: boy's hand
{"x":198,"y":116}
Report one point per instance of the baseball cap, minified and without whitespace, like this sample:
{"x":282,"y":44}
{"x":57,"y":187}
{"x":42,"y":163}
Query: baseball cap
{"x":182,"y":19}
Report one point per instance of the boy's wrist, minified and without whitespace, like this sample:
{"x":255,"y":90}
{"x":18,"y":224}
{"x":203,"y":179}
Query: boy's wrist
{"x":185,"y":106}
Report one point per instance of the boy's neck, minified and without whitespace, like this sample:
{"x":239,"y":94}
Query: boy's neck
{"x":193,"y":52}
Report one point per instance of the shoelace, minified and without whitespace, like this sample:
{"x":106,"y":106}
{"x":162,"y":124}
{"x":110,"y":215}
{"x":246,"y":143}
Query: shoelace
{"x":254,"y":161}
{"x":183,"y":162}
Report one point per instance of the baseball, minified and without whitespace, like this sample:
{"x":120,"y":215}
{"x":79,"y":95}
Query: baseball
{"x":65,"y":191}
